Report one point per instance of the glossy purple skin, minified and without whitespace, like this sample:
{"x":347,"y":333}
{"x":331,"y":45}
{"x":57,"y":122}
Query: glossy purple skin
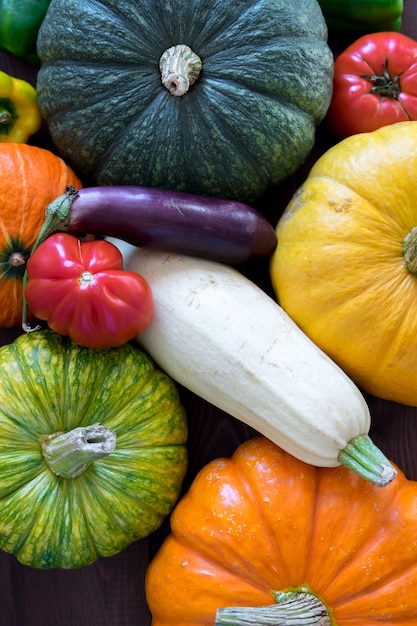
{"x":221,"y":230}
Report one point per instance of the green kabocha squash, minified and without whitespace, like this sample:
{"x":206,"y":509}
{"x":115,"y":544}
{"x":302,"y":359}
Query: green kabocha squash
{"x":92,"y":452}
{"x":208,"y":97}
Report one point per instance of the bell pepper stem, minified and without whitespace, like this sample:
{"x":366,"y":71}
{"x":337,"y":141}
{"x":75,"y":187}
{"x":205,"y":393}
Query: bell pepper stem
{"x":5,"y":117}
{"x":363,"y":457}
{"x":57,"y":218}
{"x":293,"y":608}
{"x":71,"y":453}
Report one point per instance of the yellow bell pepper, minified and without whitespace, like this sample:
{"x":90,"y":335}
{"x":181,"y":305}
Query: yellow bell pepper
{"x":19,"y":112}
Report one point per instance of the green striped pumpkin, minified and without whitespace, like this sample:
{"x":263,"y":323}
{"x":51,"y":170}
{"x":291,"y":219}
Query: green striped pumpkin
{"x":92,"y":449}
{"x":208,"y":97}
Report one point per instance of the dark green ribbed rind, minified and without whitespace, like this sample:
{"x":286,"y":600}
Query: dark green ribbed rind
{"x":248,"y":122}
{"x":50,"y":384}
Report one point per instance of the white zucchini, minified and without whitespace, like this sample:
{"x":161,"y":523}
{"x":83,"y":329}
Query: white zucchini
{"x":219,"y":335}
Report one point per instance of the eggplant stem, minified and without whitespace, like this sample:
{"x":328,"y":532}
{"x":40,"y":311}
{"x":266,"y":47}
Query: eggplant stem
{"x":57,"y":218}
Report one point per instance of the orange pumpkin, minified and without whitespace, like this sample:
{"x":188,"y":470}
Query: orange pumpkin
{"x":30,"y":178}
{"x":264,"y":525}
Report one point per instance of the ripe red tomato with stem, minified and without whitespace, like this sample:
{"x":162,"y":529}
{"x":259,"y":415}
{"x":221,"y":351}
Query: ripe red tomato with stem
{"x":374,"y":84}
{"x":82,"y":291}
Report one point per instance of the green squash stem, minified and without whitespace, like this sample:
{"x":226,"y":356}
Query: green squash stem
{"x":409,"y":247}
{"x":293,"y":608}
{"x":180,"y":67}
{"x":363,"y":457}
{"x":70,"y":454}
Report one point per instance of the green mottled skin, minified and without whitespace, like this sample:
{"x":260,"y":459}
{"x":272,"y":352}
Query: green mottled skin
{"x":49,"y":384}
{"x":248,"y":122}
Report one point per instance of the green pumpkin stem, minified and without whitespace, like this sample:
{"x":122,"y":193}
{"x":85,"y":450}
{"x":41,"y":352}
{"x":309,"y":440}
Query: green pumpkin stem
{"x":409,"y":247}
{"x":180,"y":67}
{"x":363,"y":457}
{"x":70,"y":454}
{"x":293,"y":608}
{"x":57,"y":218}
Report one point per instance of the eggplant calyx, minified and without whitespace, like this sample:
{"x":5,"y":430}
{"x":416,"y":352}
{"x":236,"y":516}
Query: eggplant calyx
{"x":57,"y":218}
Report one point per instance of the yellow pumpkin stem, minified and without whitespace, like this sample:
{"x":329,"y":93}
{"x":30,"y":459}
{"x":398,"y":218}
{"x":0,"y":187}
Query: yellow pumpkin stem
{"x":293,"y":608}
{"x":69,"y":454}
{"x":409,"y":246}
{"x":180,"y":68}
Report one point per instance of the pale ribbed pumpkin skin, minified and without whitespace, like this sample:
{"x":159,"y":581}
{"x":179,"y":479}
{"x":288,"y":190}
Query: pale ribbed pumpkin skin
{"x":248,"y":121}
{"x":50,"y":384}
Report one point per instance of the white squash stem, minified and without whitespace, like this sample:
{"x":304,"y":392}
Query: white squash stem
{"x":222,"y":337}
{"x":295,"y":608}
{"x":69,"y":454}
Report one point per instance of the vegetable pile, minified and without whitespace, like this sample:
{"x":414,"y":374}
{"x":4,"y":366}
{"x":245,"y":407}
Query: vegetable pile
{"x":125,"y":249}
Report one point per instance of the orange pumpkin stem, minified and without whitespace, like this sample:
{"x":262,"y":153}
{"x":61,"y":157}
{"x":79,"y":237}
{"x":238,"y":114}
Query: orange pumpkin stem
{"x":17,"y":259}
{"x":293,"y":608}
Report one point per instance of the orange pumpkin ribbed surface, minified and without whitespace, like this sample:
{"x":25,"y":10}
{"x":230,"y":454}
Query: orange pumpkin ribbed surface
{"x":262,"y":525}
{"x":30,"y":178}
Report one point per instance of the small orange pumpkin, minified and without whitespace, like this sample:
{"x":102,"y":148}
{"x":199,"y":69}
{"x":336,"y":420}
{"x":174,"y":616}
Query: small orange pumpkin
{"x":267,"y":531}
{"x":30,"y":178}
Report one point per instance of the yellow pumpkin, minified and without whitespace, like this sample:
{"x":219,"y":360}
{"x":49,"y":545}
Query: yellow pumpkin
{"x":345,"y":268}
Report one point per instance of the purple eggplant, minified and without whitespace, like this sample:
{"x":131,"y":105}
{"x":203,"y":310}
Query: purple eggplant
{"x":221,"y":230}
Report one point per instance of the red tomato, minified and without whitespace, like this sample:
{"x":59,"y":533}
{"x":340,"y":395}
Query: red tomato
{"x":375,"y":84}
{"x":82,"y":291}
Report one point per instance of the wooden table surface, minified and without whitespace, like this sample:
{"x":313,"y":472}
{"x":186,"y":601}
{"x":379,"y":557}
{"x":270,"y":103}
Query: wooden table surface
{"x":110,"y":592}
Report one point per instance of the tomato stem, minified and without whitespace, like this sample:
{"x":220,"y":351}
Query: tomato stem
{"x":363,"y":457}
{"x":70,"y":454}
{"x":293,"y":608}
{"x":384,"y":85}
